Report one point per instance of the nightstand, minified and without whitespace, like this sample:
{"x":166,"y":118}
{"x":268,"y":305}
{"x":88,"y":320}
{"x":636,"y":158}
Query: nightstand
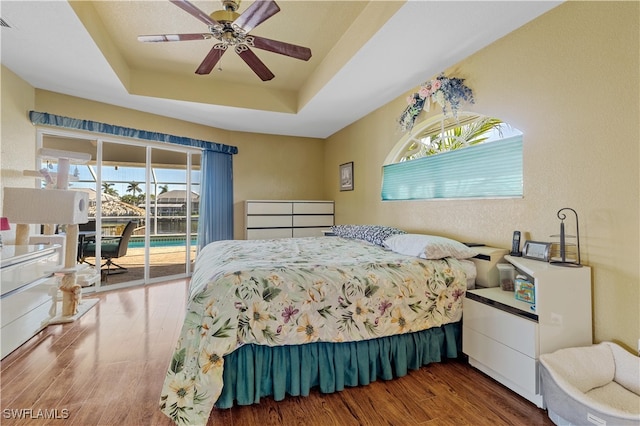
{"x":504,"y":337}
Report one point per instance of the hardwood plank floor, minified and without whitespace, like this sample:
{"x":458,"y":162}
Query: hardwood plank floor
{"x":107,"y":368}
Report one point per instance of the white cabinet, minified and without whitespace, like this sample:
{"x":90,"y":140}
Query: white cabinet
{"x":265,"y":219}
{"x":504,"y":337}
{"x":27,"y":290}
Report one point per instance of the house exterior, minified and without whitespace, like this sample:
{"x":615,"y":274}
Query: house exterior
{"x":568,"y":80}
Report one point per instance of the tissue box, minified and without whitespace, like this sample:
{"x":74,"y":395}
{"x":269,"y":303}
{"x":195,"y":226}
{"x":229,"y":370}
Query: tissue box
{"x":525,"y":290}
{"x":486,"y":271}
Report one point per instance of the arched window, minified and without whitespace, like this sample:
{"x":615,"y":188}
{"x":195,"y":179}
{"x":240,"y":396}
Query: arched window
{"x":472,"y":156}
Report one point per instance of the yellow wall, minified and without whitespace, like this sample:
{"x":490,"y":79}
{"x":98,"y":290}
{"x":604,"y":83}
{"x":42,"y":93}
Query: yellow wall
{"x":17,"y":136}
{"x":16,"y":142}
{"x":569,"y":80}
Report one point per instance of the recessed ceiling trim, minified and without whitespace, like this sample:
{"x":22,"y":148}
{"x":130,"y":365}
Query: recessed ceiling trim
{"x":190,"y":89}
{"x":398,"y":57}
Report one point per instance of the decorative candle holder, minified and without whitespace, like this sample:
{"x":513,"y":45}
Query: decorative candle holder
{"x":567,"y":252}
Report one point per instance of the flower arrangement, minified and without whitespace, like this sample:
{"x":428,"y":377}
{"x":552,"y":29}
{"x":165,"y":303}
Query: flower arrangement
{"x":447,"y":92}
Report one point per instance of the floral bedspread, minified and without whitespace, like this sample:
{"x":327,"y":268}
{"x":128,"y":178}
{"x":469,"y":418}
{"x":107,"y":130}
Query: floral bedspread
{"x":295,"y":291}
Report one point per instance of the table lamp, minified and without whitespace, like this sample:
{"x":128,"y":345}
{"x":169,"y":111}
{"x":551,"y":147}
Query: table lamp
{"x":4,"y":226}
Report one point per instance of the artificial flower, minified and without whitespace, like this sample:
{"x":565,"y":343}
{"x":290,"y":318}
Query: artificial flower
{"x":449,"y":93}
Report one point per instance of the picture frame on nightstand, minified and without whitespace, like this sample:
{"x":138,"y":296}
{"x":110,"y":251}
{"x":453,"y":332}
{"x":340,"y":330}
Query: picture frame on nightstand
{"x":537,"y":250}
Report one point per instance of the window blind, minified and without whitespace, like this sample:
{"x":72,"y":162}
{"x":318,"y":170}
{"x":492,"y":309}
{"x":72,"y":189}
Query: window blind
{"x":488,"y":170}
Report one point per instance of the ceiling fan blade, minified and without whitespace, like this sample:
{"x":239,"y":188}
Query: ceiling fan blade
{"x":256,"y":14}
{"x":211,"y":59}
{"x":280,"y":47}
{"x":194,"y":11}
{"x":254,"y":62}
{"x":173,"y":37}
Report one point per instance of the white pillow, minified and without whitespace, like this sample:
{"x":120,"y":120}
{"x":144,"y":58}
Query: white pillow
{"x":428,"y":246}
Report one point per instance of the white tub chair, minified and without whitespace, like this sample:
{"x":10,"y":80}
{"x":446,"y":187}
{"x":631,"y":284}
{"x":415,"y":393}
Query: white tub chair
{"x":598,"y":384}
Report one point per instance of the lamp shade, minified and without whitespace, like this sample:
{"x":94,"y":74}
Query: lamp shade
{"x":4,"y":224}
{"x":45,"y":206}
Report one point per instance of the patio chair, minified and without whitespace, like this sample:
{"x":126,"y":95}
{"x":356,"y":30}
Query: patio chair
{"x":111,"y":248}
{"x":86,"y":233}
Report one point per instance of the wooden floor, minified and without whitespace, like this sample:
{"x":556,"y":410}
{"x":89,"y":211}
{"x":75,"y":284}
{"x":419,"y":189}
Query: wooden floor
{"x":107,"y":368}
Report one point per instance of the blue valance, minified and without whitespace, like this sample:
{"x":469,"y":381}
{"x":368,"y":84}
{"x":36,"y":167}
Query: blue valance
{"x":43,"y":118}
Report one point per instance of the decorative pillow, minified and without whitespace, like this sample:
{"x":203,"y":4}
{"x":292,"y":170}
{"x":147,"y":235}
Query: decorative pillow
{"x":374,"y":234}
{"x":428,"y":246}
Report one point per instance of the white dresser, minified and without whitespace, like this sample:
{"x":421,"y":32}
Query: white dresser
{"x":265,"y":219}
{"x":504,"y":337}
{"x":27,"y":288}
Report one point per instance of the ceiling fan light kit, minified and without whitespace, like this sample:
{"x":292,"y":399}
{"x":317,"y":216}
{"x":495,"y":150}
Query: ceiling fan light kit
{"x":232,"y":30}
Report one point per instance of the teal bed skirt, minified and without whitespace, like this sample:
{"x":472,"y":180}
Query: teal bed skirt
{"x":254,"y":371}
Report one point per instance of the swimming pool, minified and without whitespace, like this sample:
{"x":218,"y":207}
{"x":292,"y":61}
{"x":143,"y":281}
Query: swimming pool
{"x":137,"y":241}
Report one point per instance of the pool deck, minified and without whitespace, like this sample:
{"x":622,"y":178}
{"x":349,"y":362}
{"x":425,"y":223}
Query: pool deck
{"x":165,"y":261}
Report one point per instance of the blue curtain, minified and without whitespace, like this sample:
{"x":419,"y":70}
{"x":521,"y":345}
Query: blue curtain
{"x":216,"y":198}
{"x":216,"y":176}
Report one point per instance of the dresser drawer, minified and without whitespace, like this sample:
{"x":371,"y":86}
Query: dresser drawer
{"x":269,"y":208}
{"x":267,"y":234}
{"x":313,"y":208}
{"x":39,"y":265}
{"x":269,"y":221}
{"x":509,"y":330}
{"x":308,"y":232}
{"x":313,"y":220}
{"x":26,"y":299}
{"x":23,"y":328}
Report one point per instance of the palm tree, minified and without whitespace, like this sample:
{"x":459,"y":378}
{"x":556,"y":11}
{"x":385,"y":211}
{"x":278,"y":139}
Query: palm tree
{"x":164,"y":188}
{"x":467,"y":135}
{"x":454,"y":138}
{"x":107,"y":188}
{"x":134,"y":188}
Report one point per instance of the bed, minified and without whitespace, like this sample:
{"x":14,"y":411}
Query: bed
{"x":279,"y":317}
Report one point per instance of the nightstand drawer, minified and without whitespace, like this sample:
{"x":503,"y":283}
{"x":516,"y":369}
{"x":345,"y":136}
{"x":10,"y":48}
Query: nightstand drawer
{"x":510,"y":330}
{"x":512,"y":365}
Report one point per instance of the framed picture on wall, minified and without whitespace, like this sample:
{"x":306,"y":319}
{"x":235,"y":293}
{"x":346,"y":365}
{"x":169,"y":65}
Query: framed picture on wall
{"x":346,"y":176}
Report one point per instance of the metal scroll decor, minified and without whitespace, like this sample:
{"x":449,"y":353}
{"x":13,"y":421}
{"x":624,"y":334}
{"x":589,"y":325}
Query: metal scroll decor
{"x":566,"y":251}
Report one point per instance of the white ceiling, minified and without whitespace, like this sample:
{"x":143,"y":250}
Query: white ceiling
{"x":354,"y":68}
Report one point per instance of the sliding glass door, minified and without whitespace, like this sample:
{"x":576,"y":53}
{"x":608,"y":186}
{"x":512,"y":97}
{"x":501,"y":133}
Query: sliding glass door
{"x":155,"y":187}
{"x":173,"y":208}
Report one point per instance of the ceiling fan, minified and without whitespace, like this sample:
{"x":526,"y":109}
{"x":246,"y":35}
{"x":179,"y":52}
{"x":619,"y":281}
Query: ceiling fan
{"x":232,"y":30}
